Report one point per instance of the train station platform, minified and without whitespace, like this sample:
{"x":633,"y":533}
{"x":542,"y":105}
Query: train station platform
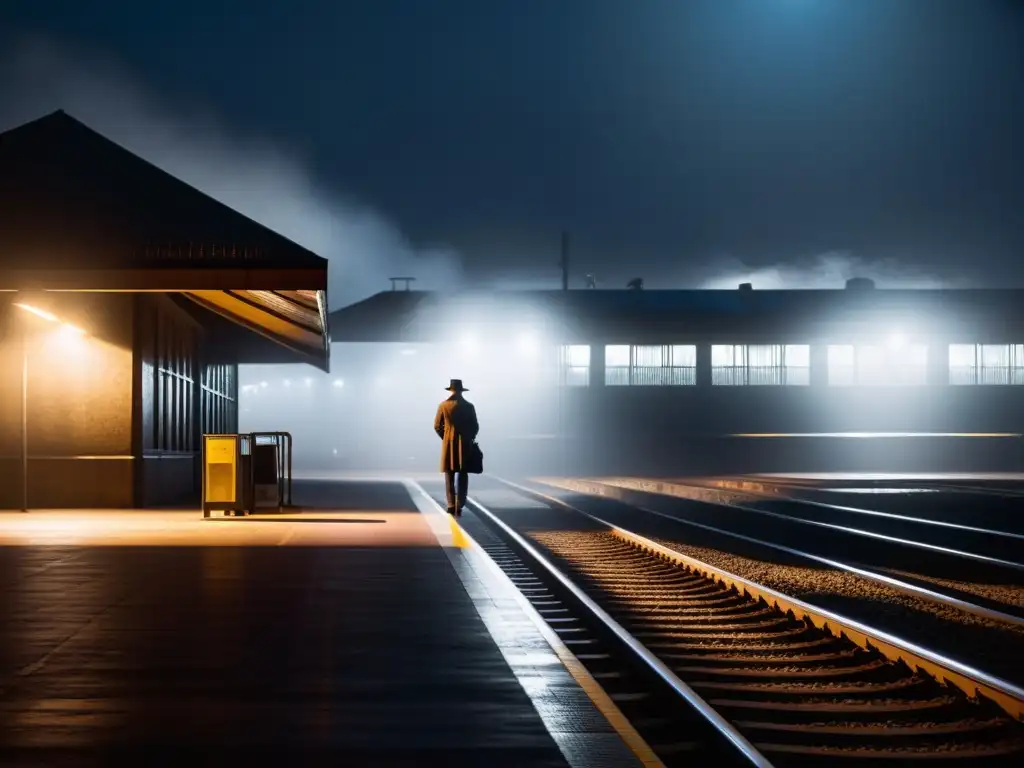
{"x":362,"y":628}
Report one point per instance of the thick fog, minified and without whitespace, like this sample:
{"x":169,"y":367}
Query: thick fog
{"x":375,"y":410}
{"x":244,"y":171}
{"x":827,"y":270}
{"x":376,"y":407}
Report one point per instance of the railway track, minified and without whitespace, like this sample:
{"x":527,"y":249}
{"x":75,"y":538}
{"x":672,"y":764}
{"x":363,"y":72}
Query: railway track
{"x":798,"y":684}
{"x":979,"y":508}
{"x":953,"y":535}
{"x":928,"y":572}
{"x":988,"y":550}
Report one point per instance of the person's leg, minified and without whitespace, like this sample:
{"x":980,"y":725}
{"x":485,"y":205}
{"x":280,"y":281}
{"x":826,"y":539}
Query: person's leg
{"x":463,"y":490}
{"x":449,"y":491}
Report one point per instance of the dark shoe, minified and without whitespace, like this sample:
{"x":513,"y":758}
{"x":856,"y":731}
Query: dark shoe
{"x":458,"y":512}
{"x":453,"y":511}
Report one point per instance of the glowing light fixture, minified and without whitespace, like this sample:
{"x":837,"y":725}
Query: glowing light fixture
{"x":339,"y":383}
{"x":468,"y":343}
{"x":308,"y":381}
{"x":49,"y":316}
{"x":38,"y":312}
{"x":287,"y":382}
{"x":408,"y":351}
{"x":263,"y":384}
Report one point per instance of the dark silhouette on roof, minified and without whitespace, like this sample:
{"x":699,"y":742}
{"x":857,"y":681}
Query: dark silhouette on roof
{"x":71,"y":198}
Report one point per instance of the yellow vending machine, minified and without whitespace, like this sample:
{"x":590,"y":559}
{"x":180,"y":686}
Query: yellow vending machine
{"x":227,"y":474}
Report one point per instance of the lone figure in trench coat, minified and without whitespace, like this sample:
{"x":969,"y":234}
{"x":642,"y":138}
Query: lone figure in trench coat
{"x":456,"y":425}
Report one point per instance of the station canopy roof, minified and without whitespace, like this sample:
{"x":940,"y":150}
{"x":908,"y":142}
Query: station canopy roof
{"x":620,"y":316}
{"x":81,"y":213}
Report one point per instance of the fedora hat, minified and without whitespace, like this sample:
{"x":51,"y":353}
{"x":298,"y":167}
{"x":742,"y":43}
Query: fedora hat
{"x":456,"y":386}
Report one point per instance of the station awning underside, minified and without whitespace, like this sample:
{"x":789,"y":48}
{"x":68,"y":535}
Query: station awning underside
{"x":294,"y":319}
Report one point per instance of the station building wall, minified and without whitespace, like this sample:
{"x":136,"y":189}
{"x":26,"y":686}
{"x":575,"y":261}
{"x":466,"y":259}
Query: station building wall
{"x":79,"y":403}
{"x":114,"y":414}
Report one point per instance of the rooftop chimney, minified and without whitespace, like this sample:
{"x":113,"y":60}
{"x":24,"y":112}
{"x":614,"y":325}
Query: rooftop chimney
{"x":746,"y":286}
{"x":406,"y":282}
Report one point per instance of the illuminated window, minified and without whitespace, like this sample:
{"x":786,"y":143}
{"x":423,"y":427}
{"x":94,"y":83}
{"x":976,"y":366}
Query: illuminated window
{"x":760,"y":364}
{"x":877,"y":365}
{"x":574,"y":365}
{"x":650,"y":365}
{"x":616,"y":364}
{"x":986,"y":364}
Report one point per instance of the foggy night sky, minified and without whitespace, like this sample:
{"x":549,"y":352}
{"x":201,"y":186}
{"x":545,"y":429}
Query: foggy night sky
{"x":785,"y":141}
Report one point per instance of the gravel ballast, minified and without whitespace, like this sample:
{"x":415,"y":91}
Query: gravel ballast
{"x":992,"y":646}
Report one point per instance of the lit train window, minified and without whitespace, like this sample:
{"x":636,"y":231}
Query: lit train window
{"x":575,"y":365}
{"x":760,"y":364}
{"x":989,"y":364}
{"x":616,"y":365}
{"x":650,"y":365}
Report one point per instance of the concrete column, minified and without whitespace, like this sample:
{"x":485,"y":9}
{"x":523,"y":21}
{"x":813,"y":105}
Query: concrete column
{"x":704,"y":365}
{"x":597,"y":363}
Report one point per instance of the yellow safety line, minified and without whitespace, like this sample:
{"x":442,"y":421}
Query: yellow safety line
{"x":459,"y":538}
{"x":604,"y":704}
{"x":597,"y":695}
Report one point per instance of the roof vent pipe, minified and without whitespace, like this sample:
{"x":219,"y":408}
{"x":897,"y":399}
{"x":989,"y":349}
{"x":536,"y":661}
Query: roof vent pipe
{"x":405,"y":281}
{"x":746,"y":286}
{"x":860,"y":284}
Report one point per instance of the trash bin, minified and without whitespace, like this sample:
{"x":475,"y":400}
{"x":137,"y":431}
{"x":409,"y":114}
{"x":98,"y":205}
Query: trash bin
{"x":227,"y":474}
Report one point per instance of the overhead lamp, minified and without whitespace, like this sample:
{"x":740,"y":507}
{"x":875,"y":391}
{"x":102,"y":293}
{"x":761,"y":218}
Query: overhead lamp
{"x":50,"y":317}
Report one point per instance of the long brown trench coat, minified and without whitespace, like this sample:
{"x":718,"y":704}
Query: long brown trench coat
{"x":455,"y":423}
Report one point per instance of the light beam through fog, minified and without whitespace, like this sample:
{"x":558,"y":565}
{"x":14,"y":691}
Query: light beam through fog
{"x":376,"y":408}
{"x":253,"y":177}
{"x":828,"y":270}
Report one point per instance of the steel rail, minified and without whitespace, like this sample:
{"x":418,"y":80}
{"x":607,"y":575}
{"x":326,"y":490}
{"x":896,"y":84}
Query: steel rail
{"x":712,"y":716}
{"x":767,"y":493}
{"x":980,"y":490}
{"x":969,"y":680}
{"x":914,"y":590}
{"x":995,"y":561}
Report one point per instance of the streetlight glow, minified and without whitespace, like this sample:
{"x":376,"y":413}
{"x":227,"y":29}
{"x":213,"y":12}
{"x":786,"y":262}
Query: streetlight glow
{"x":50,"y":317}
{"x":37,"y":312}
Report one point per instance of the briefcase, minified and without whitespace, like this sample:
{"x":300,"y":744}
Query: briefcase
{"x":473,"y":459}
